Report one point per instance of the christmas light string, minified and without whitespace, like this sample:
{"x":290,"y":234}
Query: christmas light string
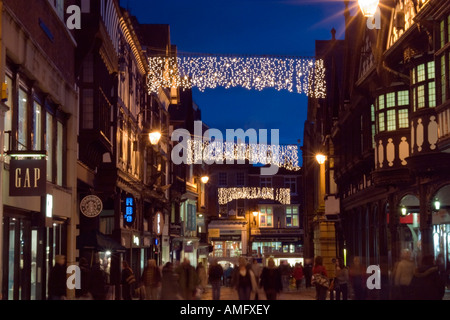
{"x":282,"y":195}
{"x":305,"y":75}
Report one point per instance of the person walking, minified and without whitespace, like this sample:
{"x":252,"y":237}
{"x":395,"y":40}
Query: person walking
{"x":271,"y":280}
{"x":84,"y":293}
{"x":256,"y":268}
{"x":151,"y":278}
{"x":357,"y":276}
{"x":298,"y":275}
{"x":170,"y":289}
{"x":57,"y":279}
{"x":307,"y":270}
{"x":341,"y":280}
{"x":98,"y":282}
{"x":128,"y":279}
{"x":215,"y":274}
{"x":320,"y":279}
{"x":187,"y":279}
{"x":202,"y":277}
{"x":402,"y":276}
{"x":427,"y":283}
{"x":244,"y":280}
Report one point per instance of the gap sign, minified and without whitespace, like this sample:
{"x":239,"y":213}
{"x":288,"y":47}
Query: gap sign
{"x":27,"y":178}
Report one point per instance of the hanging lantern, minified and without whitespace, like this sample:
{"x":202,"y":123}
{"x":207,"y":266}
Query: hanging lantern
{"x":368,"y":7}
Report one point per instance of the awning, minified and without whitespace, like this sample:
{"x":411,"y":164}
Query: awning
{"x":99,"y":242}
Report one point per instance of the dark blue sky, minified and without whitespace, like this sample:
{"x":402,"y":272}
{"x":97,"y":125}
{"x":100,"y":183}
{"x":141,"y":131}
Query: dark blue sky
{"x":280,"y":27}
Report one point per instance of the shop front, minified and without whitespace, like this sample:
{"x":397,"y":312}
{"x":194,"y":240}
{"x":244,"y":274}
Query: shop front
{"x":228,"y":239}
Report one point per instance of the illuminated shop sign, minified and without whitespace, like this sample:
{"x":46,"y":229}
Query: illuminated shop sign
{"x":129,"y":210}
{"x":158,"y":223}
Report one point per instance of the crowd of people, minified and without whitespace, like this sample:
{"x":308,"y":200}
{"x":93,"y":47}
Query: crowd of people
{"x":250,"y":279}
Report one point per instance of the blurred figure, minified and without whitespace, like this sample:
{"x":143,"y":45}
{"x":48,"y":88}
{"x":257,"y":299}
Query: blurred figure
{"x":426,"y":283}
{"x":271,"y":280}
{"x":202,"y":277}
{"x":402,"y":275}
{"x":320,"y":274}
{"x":307,"y":270}
{"x":285,"y":274}
{"x":440,"y":262}
{"x":151,"y":277}
{"x":84,"y":293}
{"x":341,"y":280}
{"x":215,"y":278}
{"x":298,"y":275}
{"x":244,"y":280}
{"x":256,"y":268}
{"x":128,"y":280}
{"x":228,"y":272}
{"x":57,"y":279}
{"x":187,"y":279}
{"x":98,"y":281}
{"x":357,"y":276}
{"x":170,"y":290}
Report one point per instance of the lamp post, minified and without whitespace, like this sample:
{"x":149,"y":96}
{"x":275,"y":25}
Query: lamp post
{"x":154,"y":137}
{"x":368,"y":7}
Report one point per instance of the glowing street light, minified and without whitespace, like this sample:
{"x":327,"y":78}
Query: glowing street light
{"x":437,"y":204}
{"x":204,"y":179}
{"x":154,"y":137}
{"x":321,"y":158}
{"x":368,"y":7}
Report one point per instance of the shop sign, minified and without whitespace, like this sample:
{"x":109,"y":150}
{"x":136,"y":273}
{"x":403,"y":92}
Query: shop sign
{"x":158,"y":223}
{"x":191,"y":223}
{"x":214,"y":233}
{"x":129,"y":210}
{"x":91,"y":206}
{"x":28,"y":178}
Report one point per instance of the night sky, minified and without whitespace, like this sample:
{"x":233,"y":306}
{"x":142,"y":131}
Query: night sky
{"x":247,"y":27}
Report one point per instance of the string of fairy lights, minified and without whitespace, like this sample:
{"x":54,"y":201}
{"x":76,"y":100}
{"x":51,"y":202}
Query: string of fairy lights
{"x":219,"y":152}
{"x":304,"y":75}
{"x":282,"y":195}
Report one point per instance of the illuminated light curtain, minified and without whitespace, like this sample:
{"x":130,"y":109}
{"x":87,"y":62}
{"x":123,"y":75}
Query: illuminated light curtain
{"x":283,"y":156}
{"x":305,"y":75}
{"x":282,"y":195}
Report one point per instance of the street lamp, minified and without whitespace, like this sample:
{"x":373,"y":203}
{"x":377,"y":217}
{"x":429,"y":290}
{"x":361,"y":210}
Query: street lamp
{"x":204,"y":179}
{"x":154,"y":137}
{"x":368,"y":7}
{"x":321,"y":158}
{"x":437,"y":204}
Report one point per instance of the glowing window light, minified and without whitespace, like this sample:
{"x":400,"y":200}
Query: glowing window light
{"x":306,"y":75}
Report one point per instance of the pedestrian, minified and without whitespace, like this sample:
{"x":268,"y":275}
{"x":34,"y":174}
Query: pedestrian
{"x":307,"y":270}
{"x":402,"y":276}
{"x":228,"y":274}
{"x":243,"y":280}
{"x":202,"y":277}
{"x":427,"y":283}
{"x":298,"y":275}
{"x":333,"y":281}
{"x":170,"y":289}
{"x":215,"y":274}
{"x":320,"y":279}
{"x":341,"y":280}
{"x":84,"y":293}
{"x":256,"y":268}
{"x":440,"y":262}
{"x":285,"y":274}
{"x":357,"y":277}
{"x":187,"y":279}
{"x":57,"y":279}
{"x":128,"y":280}
{"x":271,"y":280}
{"x":151,"y":278}
{"x":98,"y":282}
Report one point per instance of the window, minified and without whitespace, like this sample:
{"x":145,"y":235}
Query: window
{"x":381,"y":125}
{"x":391,"y":120}
{"x":292,"y":216}
{"x":389,"y":115}
{"x":403,"y":121}
{"x":22,"y":116}
{"x":390,"y":100}
{"x":88,"y":108}
{"x":240,"y":179}
{"x":403,"y":98}
{"x":266,"y":217}
{"x":291,"y":182}
{"x":424,"y":89}
{"x":37,"y":126}
{"x":223,"y":181}
{"x":49,"y":146}
{"x":8,"y":120}
{"x":59,"y":153}
{"x":265,"y":182}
